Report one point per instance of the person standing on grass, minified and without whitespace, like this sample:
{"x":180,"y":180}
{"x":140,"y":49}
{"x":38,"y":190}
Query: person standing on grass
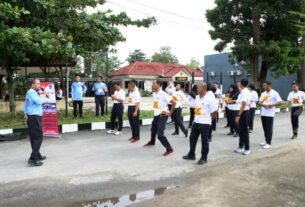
{"x":178,"y":96}
{"x":78,"y":90}
{"x":59,"y":93}
{"x":117,"y":110}
{"x":100,"y":90}
{"x":242,"y":118}
{"x":191,"y":101}
{"x":268,"y":101}
{"x":161,"y":114}
{"x":205,"y":111}
{"x":296,"y":98}
{"x":33,"y":118}
{"x":254,"y":100}
{"x":134,"y":101}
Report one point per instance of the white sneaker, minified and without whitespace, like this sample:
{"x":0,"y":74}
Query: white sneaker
{"x":239,"y":150}
{"x":246,"y":152}
{"x":263,"y":144}
{"x":267,"y":146}
{"x":118,"y":133}
{"x":110,"y":131}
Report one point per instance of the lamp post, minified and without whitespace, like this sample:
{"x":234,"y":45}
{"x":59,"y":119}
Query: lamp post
{"x":107,"y":65}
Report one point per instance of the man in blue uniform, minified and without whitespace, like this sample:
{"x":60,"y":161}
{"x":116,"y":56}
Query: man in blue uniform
{"x":78,"y":90}
{"x":100,"y":90}
{"x":33,"y":118}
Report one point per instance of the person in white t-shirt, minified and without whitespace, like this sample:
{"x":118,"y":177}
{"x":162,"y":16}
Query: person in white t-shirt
{"x":170,"y":89}
{"x":161,"y":114}
{"x":179,"y":96}
{"x":134,"y":101}
{"x":205,"y":111}
{"x":268,"y":101}
{"x":233,"y":109}
{"x":118,"y":109}
{"x":296,"y":98}
{"x":254,"y":100}
{"x":242,"y":118}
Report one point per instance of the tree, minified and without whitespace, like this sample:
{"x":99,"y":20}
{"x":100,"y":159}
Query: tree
{"x":257,"y":29}
{"x":100,"y":60}
{"x":37,"y":31}
{"x":194,"y":63}
{"x":136,"y":55}
{"x":164,"y":55}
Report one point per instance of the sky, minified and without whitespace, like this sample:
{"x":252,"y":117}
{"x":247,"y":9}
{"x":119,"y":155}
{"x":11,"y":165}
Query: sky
{"x":181,"y":25}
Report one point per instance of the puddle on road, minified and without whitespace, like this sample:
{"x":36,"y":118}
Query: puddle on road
{"x":128,"y":199}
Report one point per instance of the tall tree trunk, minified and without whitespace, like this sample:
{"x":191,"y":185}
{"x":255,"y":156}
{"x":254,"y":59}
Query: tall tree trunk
{"x":11,"y":90}
{"x":301,"y":72}
{"x":256,"y":41}
{"x":263,"y":73}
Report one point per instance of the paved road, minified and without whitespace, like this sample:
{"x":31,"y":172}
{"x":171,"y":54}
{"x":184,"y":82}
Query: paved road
{"x":93,"y":165}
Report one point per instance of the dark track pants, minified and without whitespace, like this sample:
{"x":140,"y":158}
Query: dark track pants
{"x":36,"y":135}
{"x":99,"y":105}
{"x":134,"y":121}
{"x":244,"y":130}
{"x":157,"y":129}
{"x":295,"y":113}
{"x":80,"y":108}
{"x":202,"y":130}
{"x":178,"y":120}
{"x":251,"y":118}
{"x":267,"y":123}
{"x":117,"y":113}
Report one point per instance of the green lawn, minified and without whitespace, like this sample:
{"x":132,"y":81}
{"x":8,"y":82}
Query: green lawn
{"x":8,"y":121}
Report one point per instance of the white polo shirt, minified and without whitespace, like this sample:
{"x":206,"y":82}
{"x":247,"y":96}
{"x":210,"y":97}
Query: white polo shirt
{"x":134,"y":98}
{"x":296,"y":98}
{"x":245,"y":96}
{"x":268,"y":98}
{"x":119,"y":94}
{"x":161,"y":101}
{"x":178,"y":96}
{"x":254,"y":99}
{"x":204,"y":106}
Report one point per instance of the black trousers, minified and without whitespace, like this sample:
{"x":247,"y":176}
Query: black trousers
{"x":99,"y":105}
{"x":234,"y":128}
{"x":295,"y":113}
{"x":117,"y":113}
{"x":192,"y":116}
{"x":177,"y":118}
{"x":251,"y":118}
{"x":212,"y":128}
{"x":36,"y":135}
{"x":203,"y":130}
{"x":244,"y":130}
{"x":134,"y":121}
{"x":80,"y":108}
{"x":157,"y":128}
{"x":267,"y":123}
{"x":169,"y":108}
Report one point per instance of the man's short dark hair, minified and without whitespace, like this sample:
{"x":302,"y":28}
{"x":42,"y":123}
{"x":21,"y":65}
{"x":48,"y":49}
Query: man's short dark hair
{"x":101,"y":77}
{"x":244,"y":82}
{"x":268,"y":83}
{"x":117,"y":83}
{"x":159,"y":82}
{"x":295,"y":83}
{"x":76,"y":75}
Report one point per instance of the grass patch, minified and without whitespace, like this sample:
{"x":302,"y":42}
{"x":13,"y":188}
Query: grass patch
{"x":8,"y":121}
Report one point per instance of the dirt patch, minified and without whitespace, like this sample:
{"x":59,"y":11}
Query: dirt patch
{"x":274,"y":178}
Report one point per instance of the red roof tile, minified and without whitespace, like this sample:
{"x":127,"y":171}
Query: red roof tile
{"x":154,"y":68}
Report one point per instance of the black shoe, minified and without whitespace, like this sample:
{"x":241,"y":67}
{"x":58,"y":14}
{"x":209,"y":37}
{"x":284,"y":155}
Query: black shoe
{"x":175,"y":133}
{"x":202,"y":162}
{"x":236,"y":135}
{"x":40,"y":158}
{"x":186,"y":133}
{"x":230,"y":134}
{"x":189,"y":127}
{"x":188,"y":157}
{"x":35,"y":163}
{"x":210,"y":140}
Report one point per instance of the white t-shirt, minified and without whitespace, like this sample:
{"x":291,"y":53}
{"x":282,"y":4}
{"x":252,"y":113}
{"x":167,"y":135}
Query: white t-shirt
{"x":178,"y":96}
{"x":245,"y":96}
{"x":234,"y":106}
{"x":254,"y":99}
{"x":161,"y":101}
{"x":134,"y":98}
{"x":170,"y":90}
{"x":120,"y":95}
{"x":268,"y":98}
{"x":296,"y":98}
{"x":204,"y":106}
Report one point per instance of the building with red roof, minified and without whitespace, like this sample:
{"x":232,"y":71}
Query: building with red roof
{"x":145,"y":72}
